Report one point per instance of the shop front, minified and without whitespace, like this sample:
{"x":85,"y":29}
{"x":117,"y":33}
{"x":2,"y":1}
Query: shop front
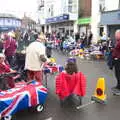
{"x":111,"y":22}
{"x":84,"y":25}
{"x":61,"y":24}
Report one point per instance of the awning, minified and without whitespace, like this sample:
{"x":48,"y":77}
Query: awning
{"x":84,"y":21}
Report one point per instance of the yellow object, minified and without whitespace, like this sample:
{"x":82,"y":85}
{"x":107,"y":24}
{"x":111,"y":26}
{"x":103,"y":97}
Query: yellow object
{"x":81,"y":53}
{"x":99,"y":95}
{"x":53,"y":60}
{"x":98,"y":57}
{"x":42,"y":36}
{"x":11,"y":34}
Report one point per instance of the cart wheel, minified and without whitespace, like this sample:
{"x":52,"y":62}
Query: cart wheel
{"x":7,"y":118}
{"x":40,"y":108}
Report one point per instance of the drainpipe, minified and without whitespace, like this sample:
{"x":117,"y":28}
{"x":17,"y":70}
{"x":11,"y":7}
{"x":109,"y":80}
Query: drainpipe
{"x":119,"y":5}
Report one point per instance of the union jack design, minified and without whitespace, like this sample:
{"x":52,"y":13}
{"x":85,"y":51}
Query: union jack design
{"x":53,"y":69}
{"x":16,"y":99}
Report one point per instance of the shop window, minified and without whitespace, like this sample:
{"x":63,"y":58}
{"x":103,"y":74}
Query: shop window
{"x":70,"y":1}
{"x":70,"y":8}
{"x":8,"y":21}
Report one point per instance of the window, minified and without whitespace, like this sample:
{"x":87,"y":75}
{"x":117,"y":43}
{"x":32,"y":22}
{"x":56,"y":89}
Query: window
{"x":70,"y":1}
{"x":70,"y":8}
{"x":8,"y":20}
{"x":52,"y":13}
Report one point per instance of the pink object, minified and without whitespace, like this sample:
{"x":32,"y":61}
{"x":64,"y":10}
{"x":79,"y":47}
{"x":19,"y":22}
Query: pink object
{"x":70,"y":84}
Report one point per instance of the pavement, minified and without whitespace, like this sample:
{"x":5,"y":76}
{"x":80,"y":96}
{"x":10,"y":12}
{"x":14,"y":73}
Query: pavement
{"x":90,"y":110}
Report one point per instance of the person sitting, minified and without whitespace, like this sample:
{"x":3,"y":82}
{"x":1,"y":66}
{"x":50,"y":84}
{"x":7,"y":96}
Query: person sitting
{"x":70,"y":81}
{"x":5,"y":68}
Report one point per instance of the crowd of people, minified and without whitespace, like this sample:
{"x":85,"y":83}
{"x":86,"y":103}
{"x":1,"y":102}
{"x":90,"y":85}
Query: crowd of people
{"x":38,"y":48}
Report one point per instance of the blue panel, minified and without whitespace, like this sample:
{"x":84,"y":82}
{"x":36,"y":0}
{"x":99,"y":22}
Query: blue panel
{"x":61,"y":18}
{"x":110,"y":18}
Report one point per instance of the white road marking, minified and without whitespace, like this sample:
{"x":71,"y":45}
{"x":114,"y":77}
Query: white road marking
{"x":49,"y":118}
{"x":84,"y":105}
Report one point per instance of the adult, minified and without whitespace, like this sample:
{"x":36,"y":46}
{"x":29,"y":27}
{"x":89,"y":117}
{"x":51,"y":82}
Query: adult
{"x":116,"y":57}
{"x":90,"y":38}
{"x":35,"y":56}
{"x":10,"y":47}
{"x":49,"y":44}
{"x":104,"y":37}
{"x":25,"y":38}
{"x":77,"y":36}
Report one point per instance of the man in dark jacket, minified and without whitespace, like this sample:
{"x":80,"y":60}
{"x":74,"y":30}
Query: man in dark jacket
{"x":116,"y":57}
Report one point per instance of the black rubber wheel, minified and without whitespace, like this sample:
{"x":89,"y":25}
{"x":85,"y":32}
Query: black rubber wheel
{"x":40,"y":108}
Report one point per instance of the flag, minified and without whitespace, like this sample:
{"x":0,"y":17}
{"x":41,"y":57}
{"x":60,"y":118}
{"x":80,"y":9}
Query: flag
{"x":19,"y":98}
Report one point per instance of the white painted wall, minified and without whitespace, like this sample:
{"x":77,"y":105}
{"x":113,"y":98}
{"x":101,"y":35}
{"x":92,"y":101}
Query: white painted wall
{"x":95,"y":19}
{"x":111,"y":5}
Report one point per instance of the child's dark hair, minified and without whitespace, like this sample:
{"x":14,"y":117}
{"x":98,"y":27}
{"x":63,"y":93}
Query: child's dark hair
{"x":71,"y":67}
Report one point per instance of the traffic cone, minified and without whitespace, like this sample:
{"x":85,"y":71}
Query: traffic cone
{"x":99,"y":95}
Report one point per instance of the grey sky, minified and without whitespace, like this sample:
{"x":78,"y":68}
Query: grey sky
{"x":19,"y":7}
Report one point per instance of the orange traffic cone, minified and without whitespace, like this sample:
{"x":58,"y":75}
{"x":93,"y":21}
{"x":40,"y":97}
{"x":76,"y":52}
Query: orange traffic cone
{"x":99,"y":95}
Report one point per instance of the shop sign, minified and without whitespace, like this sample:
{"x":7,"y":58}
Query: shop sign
{"x":83,"y":21}
{"x":61,"y":18}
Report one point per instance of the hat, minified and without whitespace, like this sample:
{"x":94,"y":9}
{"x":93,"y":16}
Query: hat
{"x":2,"y":55}
{"x":11,"y":34}
{"x":71,"y":59}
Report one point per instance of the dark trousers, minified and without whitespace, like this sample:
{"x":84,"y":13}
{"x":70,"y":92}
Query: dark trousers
{"x":117,"y":71}
{"x":10,"y":59}
{"x":48,"y":52}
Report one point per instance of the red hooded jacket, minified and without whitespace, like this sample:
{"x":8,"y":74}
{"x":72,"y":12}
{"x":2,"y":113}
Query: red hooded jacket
{"x":116,"y":50}
{"x":67,"y":84}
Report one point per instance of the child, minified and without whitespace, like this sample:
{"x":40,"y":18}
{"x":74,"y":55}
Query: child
{"x":5,"y":68}
{"x":70,"y":81}
{"x":71,"y":66}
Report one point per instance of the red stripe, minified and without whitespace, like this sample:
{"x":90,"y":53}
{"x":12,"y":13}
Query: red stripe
{"x":7,"y":95}
{"x":43,"y":89}
{"x":33,"y":95}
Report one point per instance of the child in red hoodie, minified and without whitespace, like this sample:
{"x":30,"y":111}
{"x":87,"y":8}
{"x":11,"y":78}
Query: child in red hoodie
{"x":70,"y":81}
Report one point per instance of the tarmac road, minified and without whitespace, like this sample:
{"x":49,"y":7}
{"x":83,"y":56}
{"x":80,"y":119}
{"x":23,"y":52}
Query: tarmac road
{"x":92,"y":111}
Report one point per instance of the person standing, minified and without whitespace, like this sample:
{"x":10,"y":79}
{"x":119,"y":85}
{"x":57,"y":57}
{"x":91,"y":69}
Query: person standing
{"x":116,"y":58}
{"x":35,"y":57}
{"x":10,"y":47}
{"x":90,"y":38}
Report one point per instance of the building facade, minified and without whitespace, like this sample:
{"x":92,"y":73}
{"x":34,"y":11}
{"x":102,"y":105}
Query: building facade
{"x":105,"y":18}
{"x":28,"y":23}
{"x":84,"y":20}
{"x":110,"y":18}
{"x":9,"y":22}
{"x":59,"y":15}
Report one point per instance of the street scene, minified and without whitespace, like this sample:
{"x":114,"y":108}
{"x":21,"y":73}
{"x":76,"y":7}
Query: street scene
{"x":53,"y":110}
{"x":59,"y":60}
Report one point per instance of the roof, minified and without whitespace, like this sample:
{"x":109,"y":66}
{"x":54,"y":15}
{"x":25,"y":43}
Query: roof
{"x":6,"y":15}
